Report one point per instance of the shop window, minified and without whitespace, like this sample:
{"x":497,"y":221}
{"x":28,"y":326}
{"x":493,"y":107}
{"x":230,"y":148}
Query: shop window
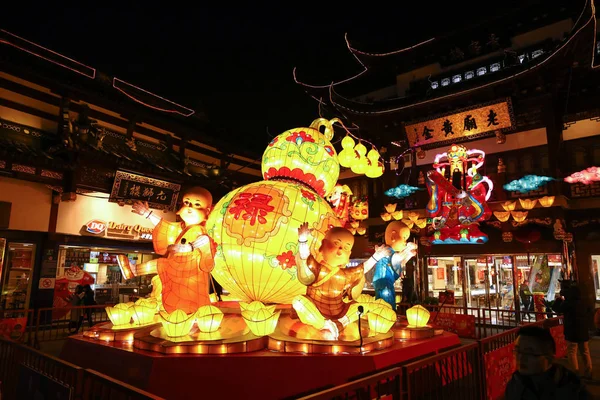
{"x":17,"y":273}
{"x":445,"y":273}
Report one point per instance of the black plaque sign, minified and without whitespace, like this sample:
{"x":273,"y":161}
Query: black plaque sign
{"x":159,"y":194}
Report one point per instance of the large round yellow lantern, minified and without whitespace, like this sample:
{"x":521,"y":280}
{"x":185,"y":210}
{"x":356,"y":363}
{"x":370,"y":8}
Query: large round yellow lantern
{"x":255,"y":227}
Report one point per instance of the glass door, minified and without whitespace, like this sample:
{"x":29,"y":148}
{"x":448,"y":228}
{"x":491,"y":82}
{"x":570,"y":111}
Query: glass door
{"x":478,"y":286}
{"x":16,"y":284}
{"x":505,"y":292}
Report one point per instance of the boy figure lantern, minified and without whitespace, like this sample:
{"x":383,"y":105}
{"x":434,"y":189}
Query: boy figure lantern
{"x":329,"y":283}
{"x":458,"y":202}
{"x":388,"y":269}
{"x":184,"y":271}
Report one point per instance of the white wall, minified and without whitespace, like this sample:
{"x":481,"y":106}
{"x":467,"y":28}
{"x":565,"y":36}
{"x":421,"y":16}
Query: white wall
{"x":72,"y":215}
{"x":31,"y":203}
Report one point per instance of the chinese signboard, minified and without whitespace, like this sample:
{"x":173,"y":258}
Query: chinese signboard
{"x":462,"y":125}
{"x":116,"y":230}
{"x":159,"y":194}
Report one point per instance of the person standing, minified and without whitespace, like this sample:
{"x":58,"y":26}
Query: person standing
{"x":576,"y":314}
{"x":76,"y":316}
{"x":89,"y":300}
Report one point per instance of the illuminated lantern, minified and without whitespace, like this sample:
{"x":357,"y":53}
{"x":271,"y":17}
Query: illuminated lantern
{"x":209,"y":318}
{"x":413,"y":216}
{"x":386,"y":216}
{"x":144,"y":311}
{"x":519,"y":216}
{"x":360,"y":163}
{"x":502,"y":216}
{"x":408,"y":222}
{"x":390,"y":207}
{"x":398,"y":215}
{"x":359,"y":210}
{"x":585,"y":177}
{"x":346,"y":156}
{"x":260,"y":319}
{"x":527,"y":183}
{"x":178,"y":323}
{"x":361,"y":230}
{"x":421,"y":223}
{"x":256,"y":226}
{"x":381,"y":319}
{"x":375,"y":167}
{"x":354,"y":224}
{"x":401,"y":191}
{"x":509,"y":205}
{"x":527,"y":204}
{"x":417,"y":316}
{"x":547,"y":201}
{"x":120,"y":314}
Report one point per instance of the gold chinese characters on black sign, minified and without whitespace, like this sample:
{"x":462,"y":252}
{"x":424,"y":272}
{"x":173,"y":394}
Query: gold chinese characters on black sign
{"x":461,"y":125}
{"x":129,"y":187}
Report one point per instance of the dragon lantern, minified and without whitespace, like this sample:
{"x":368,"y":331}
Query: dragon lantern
{"x":458,"y":196}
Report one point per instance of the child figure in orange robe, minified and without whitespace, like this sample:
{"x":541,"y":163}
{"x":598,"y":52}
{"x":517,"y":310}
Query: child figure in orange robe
{"x":184,"y":271}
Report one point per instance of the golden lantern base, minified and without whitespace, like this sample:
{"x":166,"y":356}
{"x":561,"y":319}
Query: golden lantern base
{"x":108,"y":332}
{"x":233,"y":336}
{"x":292,"y":336}
{"x":408,"y":332}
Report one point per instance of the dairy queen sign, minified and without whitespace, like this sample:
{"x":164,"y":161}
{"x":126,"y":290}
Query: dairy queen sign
{"x":116,"y":230}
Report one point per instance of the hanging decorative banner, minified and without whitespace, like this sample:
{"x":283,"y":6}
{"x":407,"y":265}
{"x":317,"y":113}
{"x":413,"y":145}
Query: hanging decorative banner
{"x":462,"y":125}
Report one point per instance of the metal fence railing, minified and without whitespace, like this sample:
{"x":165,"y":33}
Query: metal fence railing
{"x":29,"y":373}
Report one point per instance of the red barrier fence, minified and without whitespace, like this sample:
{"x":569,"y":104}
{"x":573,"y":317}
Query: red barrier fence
{"x":26,"y":373}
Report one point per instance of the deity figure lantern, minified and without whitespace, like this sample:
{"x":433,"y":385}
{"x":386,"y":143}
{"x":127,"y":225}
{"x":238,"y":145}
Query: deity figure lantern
{"x":255,"y":226}
{"x":459,"y":196}
{"x":188,"y":253}
{"x":332,"y":288}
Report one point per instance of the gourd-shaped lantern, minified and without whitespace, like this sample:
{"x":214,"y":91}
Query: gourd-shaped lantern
{"x":360,"y":163}
{"x":346,"y":156}
{"x":375,"y":168}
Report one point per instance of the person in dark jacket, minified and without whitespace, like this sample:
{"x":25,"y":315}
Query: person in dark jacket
{"x":576,"y":315}
{"x":537,"y":376}
{"x":88,"y":300}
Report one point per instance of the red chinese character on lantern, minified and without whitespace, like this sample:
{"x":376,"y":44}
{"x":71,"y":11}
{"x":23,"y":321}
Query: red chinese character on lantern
{"x":253,"y":206}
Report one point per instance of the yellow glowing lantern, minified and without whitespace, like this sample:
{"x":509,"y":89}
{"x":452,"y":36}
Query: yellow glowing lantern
{"x":413,"y":216}
{"x":375,"y":167}
{"x":519,"y":216}
{"x":209,"y":318}
{"x":409,"y":223}
{"x":255,"y":226}
{"x":391,"y":207}
{"x":421,"y":223}
{"x":360,"y":163}
{"x":398,"y":215}
{"x":261,"y":322}
{"x":528,"y":204}
{"x":120,"y":314}
{"x":178,"y":323}
{"x":361,"y":230}
{"x":144,"y":311}
{"x":386,"y":216}
{"x":417,"y":316}
{"x":364,"y":299}
{"x":547,"y":201}
{"x":346,"y":156}
{"x":502,"y":216}
{"x":381,"y":319}
{"x":354,"y":224}
{"x":509,"y":205}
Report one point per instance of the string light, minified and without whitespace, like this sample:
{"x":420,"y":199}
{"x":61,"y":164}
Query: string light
{"x":117,"y":81}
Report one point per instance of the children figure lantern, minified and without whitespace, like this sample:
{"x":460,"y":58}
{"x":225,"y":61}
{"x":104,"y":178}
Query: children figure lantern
{"x":255,"y":226}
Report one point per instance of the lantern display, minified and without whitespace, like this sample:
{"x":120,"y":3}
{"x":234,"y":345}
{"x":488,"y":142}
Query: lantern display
{"x":177,"y":323}
{"x":386,"y":216}
{"x":458,"y":203}
{"x":340,"y":200}
{"x":391,"y":207}
{"x":398,"y":215}
{"x":401,"y":191}
{"x":359,"y":211}
{"x":261,"y":320}
{"x":144,"y":311}
{"x":509,"y":205}
{"x":519,"y":216}
{"x":120,"y":314}
{"x":502,"y":216}
{"x":527,"y":183}
{"x":360,"y":162}
{"x":546,"y":201}
{"x":417,"y":316}
{"x":585,"y":177}
{"x":421,"y":223}
{"x":255,"y":226}
{"x":346,"y":156}
{"x":209,"y":318}
{"x":528,"y":204}
{"x":375,"y":167}
{"x":381,"y":319}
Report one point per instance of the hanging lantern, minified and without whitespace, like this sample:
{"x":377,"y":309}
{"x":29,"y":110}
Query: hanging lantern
{"x":417,"y":316}
{"x":421,"y":223}
{"x":209,"y":318}
{"x":391,"y":207}
{"x":409,"y":223}
{"x":421,"y":154}
{"x":360,"y":163}
{"x":398,"y":215}
{"x":386,"y":216}
{"x":413,"y":216}
{"x":546,"y":201}
{"x":527,"y":204}
{"x":354,"y":224}
{"x":375,"y":167}
{"x":178,"y":323}
{"x":502,"y":216}
{"x":361,"y":230}
{"x":509,"y":205}
{"x":346,"y":156}
{"x":519,"y":216}
{"x":120,"y":314}
{"x":507,"y":237}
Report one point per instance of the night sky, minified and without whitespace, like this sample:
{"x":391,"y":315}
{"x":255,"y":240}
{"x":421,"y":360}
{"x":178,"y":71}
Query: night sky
{"x":236,"y":63}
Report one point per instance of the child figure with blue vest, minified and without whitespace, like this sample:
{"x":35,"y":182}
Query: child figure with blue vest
{"x":388,"y":269}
